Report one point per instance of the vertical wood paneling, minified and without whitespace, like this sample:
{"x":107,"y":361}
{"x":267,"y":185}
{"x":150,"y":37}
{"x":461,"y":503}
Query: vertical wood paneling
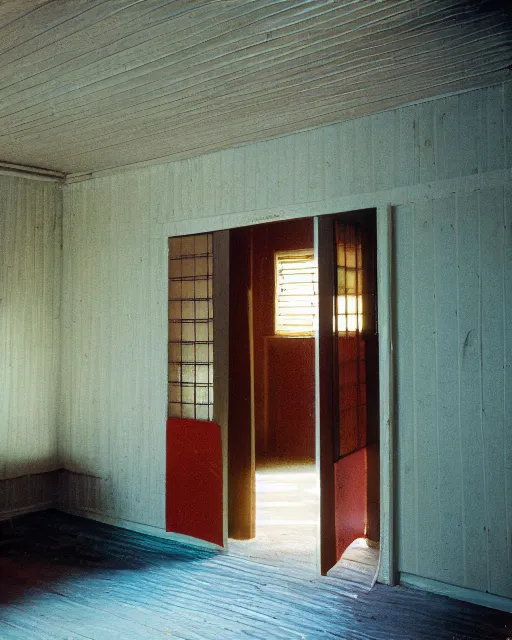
{"x":301,"y":167}
{"x":109,"y":389}
{"x":507,"y":371}
{"x":469,"y":140}
{"x":347,"y":154}
{"x":473,"y":539}
{"x":450,"y":551}
{"x":427,"y":142}
{"x":30,"y":286}
{"x":492,"y":235}
{"x":493,"y":114}
{"x":26,"y":493}
{"x":384,"y":151}
{"x":425,"y":389}
{"x":407,"y":147}
{"x":404,"y":338}
{"x":453,"y":307}
{"x":363,"y":162}
{"x":332,"y":162}
{"x":447,"y":137}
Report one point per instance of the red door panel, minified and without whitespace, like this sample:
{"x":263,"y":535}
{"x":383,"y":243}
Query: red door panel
{"x":351,"y":503}
{"x":194,"y":485}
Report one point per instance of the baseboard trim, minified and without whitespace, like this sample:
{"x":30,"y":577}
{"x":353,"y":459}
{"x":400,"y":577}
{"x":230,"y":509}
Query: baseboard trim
{"x":21,"y":511}
{"x":459,"y":593}
{"x":140,"y":528}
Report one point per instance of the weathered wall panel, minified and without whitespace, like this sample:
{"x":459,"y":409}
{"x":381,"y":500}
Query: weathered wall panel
{"x":30,"y":281}
{"x":454,"y":389}
{"x":28,"y":493}
{"x":444,"y":165}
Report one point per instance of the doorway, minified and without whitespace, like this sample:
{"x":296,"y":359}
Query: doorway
{"x":273,"y":393}
{"x":295,"y":388}
{"x":278,"y":272}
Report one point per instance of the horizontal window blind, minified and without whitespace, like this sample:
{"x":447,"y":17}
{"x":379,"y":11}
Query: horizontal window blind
{"x":296,"y":301}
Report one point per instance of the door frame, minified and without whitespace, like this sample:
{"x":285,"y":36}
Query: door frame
{"x":387,"y":573}
{"x":388,"y":568}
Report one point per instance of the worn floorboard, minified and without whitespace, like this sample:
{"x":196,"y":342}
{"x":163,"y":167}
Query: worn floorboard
{"x":287,"y":514}
{"x":64,"y":577}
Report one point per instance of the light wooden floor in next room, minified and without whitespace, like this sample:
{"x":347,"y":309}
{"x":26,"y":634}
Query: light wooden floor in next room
{"x":287,"y":512}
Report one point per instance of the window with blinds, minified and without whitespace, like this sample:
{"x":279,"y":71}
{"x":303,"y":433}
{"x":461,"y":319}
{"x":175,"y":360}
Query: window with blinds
{"x":296,"y":299}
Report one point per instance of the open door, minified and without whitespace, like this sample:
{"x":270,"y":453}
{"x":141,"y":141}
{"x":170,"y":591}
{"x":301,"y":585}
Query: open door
{"x":198,"y":376}
{"x":347,"y":418}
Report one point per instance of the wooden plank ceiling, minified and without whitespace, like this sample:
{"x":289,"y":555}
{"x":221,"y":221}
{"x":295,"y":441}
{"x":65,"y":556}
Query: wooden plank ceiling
{"x":89,"y":85}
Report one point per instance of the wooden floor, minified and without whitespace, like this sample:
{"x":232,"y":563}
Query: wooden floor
{"x":287,"y":514}
{"x":64,"y":577}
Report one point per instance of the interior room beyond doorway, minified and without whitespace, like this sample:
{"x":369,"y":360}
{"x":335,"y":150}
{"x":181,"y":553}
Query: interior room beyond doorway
{"x":283,"y":290}
{"x":275,"y":503}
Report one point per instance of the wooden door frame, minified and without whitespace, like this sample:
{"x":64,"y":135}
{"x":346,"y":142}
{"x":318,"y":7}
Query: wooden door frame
{"x":385,"y":322}
{"x":324,"y":441}
{"x":388,"y":568}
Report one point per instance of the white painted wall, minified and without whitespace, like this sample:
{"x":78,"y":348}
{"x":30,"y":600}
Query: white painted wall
{"x":30,"y":278}
{"x":445,"y":165}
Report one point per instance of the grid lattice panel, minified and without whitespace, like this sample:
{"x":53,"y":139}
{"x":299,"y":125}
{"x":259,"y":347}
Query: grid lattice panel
{"x":191,"y":327}
{"x":351,"y":345}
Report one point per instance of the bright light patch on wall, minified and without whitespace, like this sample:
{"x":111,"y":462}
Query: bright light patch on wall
{"x":296,"y":300}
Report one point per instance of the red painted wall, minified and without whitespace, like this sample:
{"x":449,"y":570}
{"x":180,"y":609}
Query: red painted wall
{"x":284,"y":376}
{"x":290,"y":397}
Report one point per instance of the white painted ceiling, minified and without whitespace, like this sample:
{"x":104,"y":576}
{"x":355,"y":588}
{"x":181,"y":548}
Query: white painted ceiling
{"x":88,"y":85}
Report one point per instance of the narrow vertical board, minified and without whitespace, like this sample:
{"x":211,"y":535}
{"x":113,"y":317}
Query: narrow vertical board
{"x":332,"y":161}
{"x":301,"y":168}
{"x":447,"y":137}
{"x":347,"y":154}
{"x":492,"y":237}
{"x":425,"y":390}
{"x":449,"y":472}
{"x":507,"y":450}
{"x":261,"y":175}
{"x":363,"y":156}
{"x":507,"y":120}
{"x":227,"y":173}
{"x":404,"y":360}
{"x":468,"y":124}
{"x":493,"y":113}
{"x":473,"y":534}
{"x":316,"y":161}
{"x":384,"y":150}
{"x":239,"y":171}
{"x":407,"y":152}
{"x":427,"y":142}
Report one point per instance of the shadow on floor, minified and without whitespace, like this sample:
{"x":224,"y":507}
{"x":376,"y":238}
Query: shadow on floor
{"x":66,"y":577}
{"x":50,"y":547}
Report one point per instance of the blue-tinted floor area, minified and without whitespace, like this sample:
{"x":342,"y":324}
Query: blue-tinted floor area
{"x":63,"y":577}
